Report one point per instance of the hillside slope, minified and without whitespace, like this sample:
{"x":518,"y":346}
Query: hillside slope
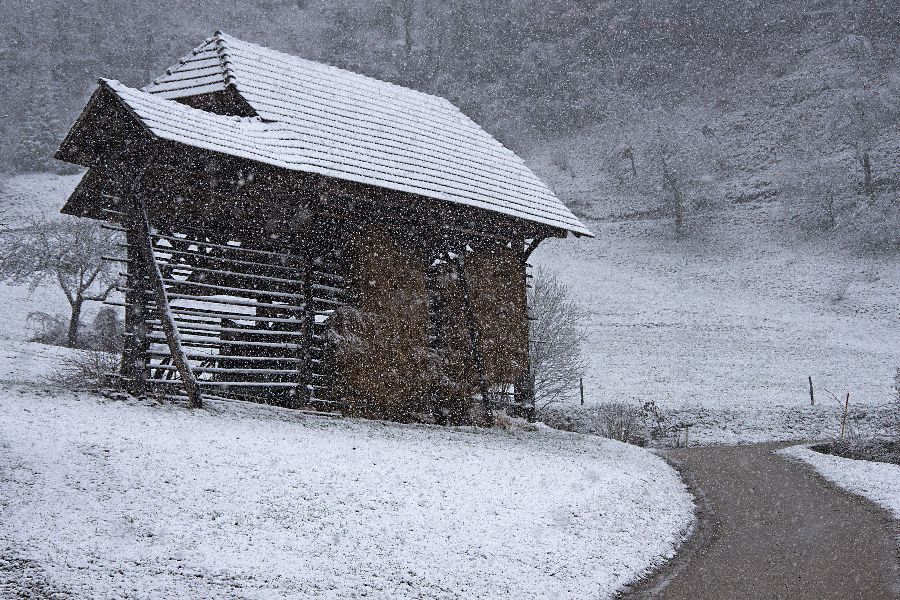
{"x":734,"y":317}
{"x":770,"y":130}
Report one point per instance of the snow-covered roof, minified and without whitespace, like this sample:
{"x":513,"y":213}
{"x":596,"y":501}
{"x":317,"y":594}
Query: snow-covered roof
{"x":316,"y":118}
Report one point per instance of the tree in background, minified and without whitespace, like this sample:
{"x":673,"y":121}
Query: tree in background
{"x":68,"y":251}
{"x":817,"y":193}
{"x":678,"y":157}
{"x":555,"y":340}
{"x":858,"y":120}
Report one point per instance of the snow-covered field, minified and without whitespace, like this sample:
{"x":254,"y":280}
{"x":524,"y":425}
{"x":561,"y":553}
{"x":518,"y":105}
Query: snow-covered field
{"x":731,"y":322}
{"x":722,"y":329}
{"x":107,"y":499}
{"x":879,"y":482}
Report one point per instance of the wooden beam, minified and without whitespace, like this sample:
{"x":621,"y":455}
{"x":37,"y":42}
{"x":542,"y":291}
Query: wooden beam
{"x":472,"y":326}
{"x":144,"y":242}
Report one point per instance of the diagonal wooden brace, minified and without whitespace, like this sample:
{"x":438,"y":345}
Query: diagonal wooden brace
{"x":141,"y":225}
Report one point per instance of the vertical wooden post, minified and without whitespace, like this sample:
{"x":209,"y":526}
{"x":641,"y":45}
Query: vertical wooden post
{"x":812,"y":397}
{"x":307,"y":326}
{"x":134,"y":355}
{"x":581,"y":386}
{"x":525,"y":387}
{"x":472,"y":326}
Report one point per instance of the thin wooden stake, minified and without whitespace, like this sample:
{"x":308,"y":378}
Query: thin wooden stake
{"x":581,"y":386}
{"x":844,"y":417}
{"x":812,"y":397}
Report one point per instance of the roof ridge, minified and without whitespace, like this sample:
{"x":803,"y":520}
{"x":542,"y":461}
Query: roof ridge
{"x":221,"y":45}
{"x":228,"y":38}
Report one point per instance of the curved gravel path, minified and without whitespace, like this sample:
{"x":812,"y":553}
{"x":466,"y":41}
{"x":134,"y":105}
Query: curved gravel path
{"x":771,"y":528}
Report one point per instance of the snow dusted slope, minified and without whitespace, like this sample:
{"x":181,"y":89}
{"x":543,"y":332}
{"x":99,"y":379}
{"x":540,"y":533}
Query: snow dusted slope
{"x":879,"y":482}
{"x":117,"y":499}
{"x":733,"y":317}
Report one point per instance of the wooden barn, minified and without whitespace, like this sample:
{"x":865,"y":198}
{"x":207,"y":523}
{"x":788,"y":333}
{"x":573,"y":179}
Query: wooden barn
{"x":306,"y":236}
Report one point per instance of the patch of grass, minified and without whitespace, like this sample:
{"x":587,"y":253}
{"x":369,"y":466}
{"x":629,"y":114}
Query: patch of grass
{"x":877,"y":450}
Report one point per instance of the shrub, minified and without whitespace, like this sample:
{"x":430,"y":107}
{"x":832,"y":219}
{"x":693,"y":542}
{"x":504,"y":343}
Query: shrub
{"x":87,"y":369}
{"x":106,"y":331}
{"x":623,"y":421}
{"x":47,"y":328}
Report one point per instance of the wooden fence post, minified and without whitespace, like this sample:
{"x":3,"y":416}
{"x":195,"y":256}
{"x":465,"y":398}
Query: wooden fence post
{"x":844,"y":417}
{"x":812,"y":398}
{"x":581,"y":386}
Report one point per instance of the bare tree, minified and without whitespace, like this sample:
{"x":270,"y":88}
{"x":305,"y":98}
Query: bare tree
{"x":67,"y":251}
{"x":556,"y":338}
{"x":679,"y":162}
{"x":858,"y":120}
{"x":817,"y":192}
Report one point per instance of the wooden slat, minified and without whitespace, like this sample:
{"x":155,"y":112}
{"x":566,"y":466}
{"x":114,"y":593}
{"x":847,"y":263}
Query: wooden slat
{"x":328,"y":301}
{"x":214,"y":314}
{"x":193,"y":325}
{"x":223,"y":259}
{"x":225,"y":357}
{"x":240,"y":249}
{"x":230,"y":290}
{"x":189,"y":339}
{"x":193,"y":268}
{"x":260,"y":384}
{"x":227,"y":370}
{"x":230,"y":301}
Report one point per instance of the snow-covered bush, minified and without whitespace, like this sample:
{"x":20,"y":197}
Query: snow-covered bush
{"x":628,"y":422}
{"x":46,"y":328}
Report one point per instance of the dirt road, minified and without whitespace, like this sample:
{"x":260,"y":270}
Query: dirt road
{"x":770,"y":528}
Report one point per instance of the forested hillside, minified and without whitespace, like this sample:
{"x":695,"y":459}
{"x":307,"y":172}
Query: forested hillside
{"x":628,"y":108}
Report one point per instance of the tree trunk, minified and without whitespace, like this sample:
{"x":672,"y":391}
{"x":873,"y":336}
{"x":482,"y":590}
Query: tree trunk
{"x":679,"y":210}
{"x":409,"y":7}
{"x":671,"y":182}
{"x":72,"y":335}
{"x":867,"y":177}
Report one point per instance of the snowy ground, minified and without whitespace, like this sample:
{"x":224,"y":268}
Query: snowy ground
{"x":879,"y":482}
{"x":111,"y":499}
{"x":729,"y":324}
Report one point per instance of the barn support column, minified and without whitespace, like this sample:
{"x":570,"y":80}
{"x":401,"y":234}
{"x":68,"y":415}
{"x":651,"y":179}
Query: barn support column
{"x":307,"y":328}
{"x":472,"y":327}
{"x":134,"y":354}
